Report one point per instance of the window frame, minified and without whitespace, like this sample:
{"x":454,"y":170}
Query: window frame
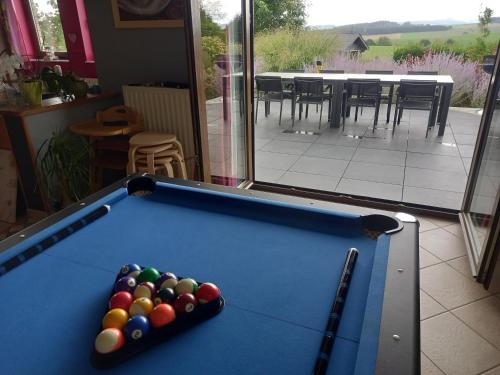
{"x":24,"y":40}
{"x":35,"y":40}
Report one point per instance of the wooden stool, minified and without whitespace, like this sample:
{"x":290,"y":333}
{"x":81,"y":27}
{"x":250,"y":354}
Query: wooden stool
{"x":153,"y":150}
{"x":147,"y":165}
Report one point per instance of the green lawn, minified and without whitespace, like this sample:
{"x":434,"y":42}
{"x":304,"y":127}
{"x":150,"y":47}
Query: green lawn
{"x":378,"y":51}
{"x":462,"y":35}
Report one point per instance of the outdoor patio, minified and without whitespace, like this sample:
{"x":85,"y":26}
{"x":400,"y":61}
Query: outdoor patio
{"x":405,"y":167}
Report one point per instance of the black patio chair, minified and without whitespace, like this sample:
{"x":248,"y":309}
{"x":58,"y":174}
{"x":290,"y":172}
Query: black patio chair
{"x":308,"y":91}
{"x":366,"y":93}
{"x":329,"y":88}
{"x":386,"y":96}
{"x":417,"y":95}
{"x":422,"y":73}
{"x":270,"y":89}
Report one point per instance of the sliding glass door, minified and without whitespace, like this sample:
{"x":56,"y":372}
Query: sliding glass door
{"x":480,"y":216}
{"x":222,"y":38}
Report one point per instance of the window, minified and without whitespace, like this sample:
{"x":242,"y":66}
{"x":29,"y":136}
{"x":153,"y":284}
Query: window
{"x":48,"y":28}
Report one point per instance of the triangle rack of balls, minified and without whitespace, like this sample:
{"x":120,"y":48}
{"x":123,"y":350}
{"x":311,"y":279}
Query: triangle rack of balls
{"x":146,"y":308}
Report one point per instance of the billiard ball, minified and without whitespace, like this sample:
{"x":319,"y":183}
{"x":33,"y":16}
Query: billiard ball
{"x":141,"y":306}
{"x":166,"y":295}
{"x":185,"y":303}
{"x":186,"y":286}
{"x":125,"y":284}
{"x":148,"y":274}
{"x":115,"y":318}
{"x":121,"y":300}
{"x":136,"y":327}
{"x":127,"y":269}
{"x":145,"y":289}
{"x":162,"y":315}
{"x":166,"y":280}
{"x":134,"y":274}
{"x":109,"y":340}
{"x":207,"y":292}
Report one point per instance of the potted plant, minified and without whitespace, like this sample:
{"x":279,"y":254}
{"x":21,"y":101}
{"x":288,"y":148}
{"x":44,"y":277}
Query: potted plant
{"x":10,"y":64}
{"x":72,"y":85}
{"x":63,"y":162}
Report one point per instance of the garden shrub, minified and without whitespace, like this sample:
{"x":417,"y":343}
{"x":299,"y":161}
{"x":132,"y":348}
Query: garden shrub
{"x":285,"y":49}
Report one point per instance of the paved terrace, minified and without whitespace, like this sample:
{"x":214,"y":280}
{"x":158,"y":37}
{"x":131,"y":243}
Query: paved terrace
{"x":405,"y":167}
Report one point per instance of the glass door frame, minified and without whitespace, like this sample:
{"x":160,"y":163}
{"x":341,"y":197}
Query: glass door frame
{"x":479,"y":255}
{"x":196,"y":80}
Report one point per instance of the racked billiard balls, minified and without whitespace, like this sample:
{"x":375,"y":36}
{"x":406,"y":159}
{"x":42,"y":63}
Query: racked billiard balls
{"x":109,"y":340}
{"x":125,"y":284}
{"x":145,"y":289}
{"x":127,"y":269}
{"x":121,"y":300}
{"x":166,"y":280}
{"x":136,"y":327}
{"x":141,"y":306}
{"x":185,"y":303}
{"x":166,"y":295}
{"x":186,"y":286}
{"x":115,"y":318}
{"x":148,"y":274}
{"x":134,"y":274}
{"x":207,"y":292}
{"x":162,"y":315}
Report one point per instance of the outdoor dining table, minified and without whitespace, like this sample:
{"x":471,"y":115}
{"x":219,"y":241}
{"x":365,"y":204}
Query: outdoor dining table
{"x":337,"y":81}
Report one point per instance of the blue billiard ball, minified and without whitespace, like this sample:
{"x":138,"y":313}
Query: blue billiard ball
{"x":136,"y":327}
{"x":127,"y":269}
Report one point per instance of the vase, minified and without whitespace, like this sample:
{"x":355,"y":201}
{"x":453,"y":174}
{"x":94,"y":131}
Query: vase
{"x":32,"y":92}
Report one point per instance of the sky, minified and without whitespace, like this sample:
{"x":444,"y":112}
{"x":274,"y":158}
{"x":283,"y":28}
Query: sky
{"x":335,"y":12}
{"x":332,"y":12}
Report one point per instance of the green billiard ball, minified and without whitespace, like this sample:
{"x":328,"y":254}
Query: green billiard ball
{"x":148,"y":274}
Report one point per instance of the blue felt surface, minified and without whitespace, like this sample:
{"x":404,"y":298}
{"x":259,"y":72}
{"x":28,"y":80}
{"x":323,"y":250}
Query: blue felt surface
{"x":278,"y":269}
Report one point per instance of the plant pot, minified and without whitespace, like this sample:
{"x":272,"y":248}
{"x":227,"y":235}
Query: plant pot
{"x":80,"y":89}
{"x":32,"y":92}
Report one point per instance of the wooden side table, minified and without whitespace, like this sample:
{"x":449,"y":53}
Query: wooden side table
{"x":109,"y":154}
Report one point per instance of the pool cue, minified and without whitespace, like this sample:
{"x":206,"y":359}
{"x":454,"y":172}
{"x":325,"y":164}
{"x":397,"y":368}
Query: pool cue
{"x":335,"y":313}
{"x":47,"y":242}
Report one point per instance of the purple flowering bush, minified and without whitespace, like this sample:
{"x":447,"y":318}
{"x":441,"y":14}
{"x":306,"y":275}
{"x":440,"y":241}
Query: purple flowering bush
{"x":470,"y":81}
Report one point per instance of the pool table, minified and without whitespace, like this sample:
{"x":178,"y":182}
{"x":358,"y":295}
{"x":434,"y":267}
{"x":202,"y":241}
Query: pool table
{"x":276,"y":259}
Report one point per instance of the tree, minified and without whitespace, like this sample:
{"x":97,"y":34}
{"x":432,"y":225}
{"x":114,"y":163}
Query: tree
{"x":484,"y":20}
{"x":272,"y":15}
{"x":384,"y":41}
{"x":49,"y":26}
{"x":425,"y":42}
{"x":370,"y":42}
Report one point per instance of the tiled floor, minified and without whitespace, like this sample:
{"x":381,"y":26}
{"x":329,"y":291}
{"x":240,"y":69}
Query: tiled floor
{"x":405,"y":167}
{"x":460,"y":321}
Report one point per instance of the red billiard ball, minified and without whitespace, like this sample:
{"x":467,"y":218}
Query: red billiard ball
{"x":185,"y":303}
{"x":145,"y":289}
{"x":121,"y":300}
{"x":109,"y":340}
{"x":162,"y":315}
{"x":207,"y":292}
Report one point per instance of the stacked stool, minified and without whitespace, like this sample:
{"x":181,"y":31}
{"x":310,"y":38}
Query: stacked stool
{"x":156,"y":152}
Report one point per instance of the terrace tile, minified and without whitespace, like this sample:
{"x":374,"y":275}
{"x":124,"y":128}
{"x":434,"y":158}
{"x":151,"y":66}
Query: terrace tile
{"x":369,"y":189}
{"x":275,"y":160}
{"x":435,"y":162}
{"x":331,"y":151}
{"x":389,"y":174}
{"x":439,"y":180}
{"x":326,"y":167}
{"x":286,"y":147}
{"x":310,"y":181}
{"x":387,"y":157}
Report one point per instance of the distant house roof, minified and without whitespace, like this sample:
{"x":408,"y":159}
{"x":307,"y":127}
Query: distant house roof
{"x":352,"y":41}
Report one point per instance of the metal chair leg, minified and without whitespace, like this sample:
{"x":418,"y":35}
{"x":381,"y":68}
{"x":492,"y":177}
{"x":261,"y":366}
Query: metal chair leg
{"x":256,"y":110}
{"x":400,"y":114}
{"x":320,"y":115}
{"x":356,"y":114}
{"x":281,"y":111}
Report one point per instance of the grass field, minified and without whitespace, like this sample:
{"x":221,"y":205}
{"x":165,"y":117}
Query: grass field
{"x":461,"y":34}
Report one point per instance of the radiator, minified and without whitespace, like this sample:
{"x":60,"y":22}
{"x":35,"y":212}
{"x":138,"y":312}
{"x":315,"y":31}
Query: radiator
{"x":166,"y":110}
